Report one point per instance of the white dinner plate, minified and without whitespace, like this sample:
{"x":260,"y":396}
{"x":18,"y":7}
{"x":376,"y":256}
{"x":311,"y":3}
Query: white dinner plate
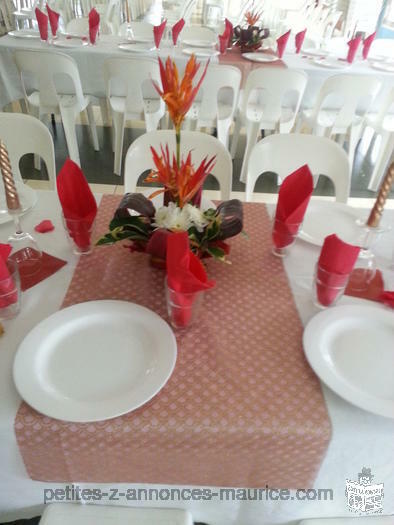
{"x":259,"y":57}
{"x":25,"y":33}
{"x":383,"y":66}
{"x":198,"y":43}
{"x":136,"y":48}
{"x":331,"y":63}
{"x":140,"y":40}
{"x":200,"y":52}
{"x":313,"y":52}
{"x":351,"y":349}
{"x":323,"y":218}
{"x":27,"y":197}
{"x":70,"y":42}
{"x":95,"y":361}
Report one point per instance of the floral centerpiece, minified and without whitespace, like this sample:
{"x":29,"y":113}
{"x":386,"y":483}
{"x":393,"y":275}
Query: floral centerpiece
{"x":137,"y":220}
{"x":250,"y":36}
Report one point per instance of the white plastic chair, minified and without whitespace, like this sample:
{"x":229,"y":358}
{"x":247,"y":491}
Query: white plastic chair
{"x":283,"y":154}
{"x":383,"y":125}
{"x":217,"y":107}
{"x":270,"y":102}
{"x":66,"y":513}
{"x":139,"y":29}
{"x":346,"y":120}
{"x":131,"y":104}
{"x":24,"y":134}
{"x":198,"y":33}
{"x":46,"y":66}
{"x":139,"y":157}
{"x":78,"y":26}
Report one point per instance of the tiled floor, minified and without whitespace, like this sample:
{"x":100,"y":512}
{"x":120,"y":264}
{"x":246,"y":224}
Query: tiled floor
{"x":98,"y":166}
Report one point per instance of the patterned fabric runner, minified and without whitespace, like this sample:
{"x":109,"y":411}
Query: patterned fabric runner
{"x":242,"y":407}
{"x":234,"y":58}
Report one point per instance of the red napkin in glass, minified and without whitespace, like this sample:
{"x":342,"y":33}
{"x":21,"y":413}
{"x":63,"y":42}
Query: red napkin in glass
{"x":293,"y":199}
{"x":387,"y":298}
{"x":367,"y":44}
{"x":299,"y":40}
{"x":44,"y":226}
{"x":53,"y":20}
{"x":223,"y":43}
{"x":94,"y":24}
{"x":77,"y":200}
{"x":353,"y":46}
{"x":176,"y":29}
{"x":229,"y":29}
{"x":185,"y":275}
{"x":42,"y":21}
{"x":158,"y":33}
{"x":374,"y":290}
{"x":7,"y":285}
{"x":282,"y":43}
{"x":338,"y":258}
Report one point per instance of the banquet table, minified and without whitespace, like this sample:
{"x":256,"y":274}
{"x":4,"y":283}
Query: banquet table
{"x":359,"y":439}
{"x":90,"y":61}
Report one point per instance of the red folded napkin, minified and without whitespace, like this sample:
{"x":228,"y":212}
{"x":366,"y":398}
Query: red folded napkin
{"x":223,"y":43}
{"x":373,"y":290}
{"x":367,"y":44}
{"x":293,"y":199}
{"x":53,"y":20}
{"x":77,"y":201}
{"x":353,"y":46}
{"x":158,"y":33}
{"x":299,"y":40}
{"x":44,"y":226}
{"x":338,"y":258}
{"x":387,"y":298}
{"x":186,"y":276}
{"x":8,"y":293}
{"x":282,"y":43}
{"x":176,"y":29}
{"x":42,"y":21}
{"x":94,"y":24}
{"x":229,"y":29}
{"x":48,"y":266}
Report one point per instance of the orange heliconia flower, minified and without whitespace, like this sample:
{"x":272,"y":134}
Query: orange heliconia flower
{"x":252,"y":16}
{"x":183,"y":181}
{"x":179,"y":95}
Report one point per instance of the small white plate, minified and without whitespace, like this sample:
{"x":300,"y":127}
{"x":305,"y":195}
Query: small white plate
{"x":331,"y":63}
{"x":324,"y":218}
{"x":70,"y":42}
{"x":200,"y":52}
{"x":140,"y":40}
{"x":95,"y":361}
{"x":313,"y":52}
{"x":136,"y":48}
{"x":351,"y":349}
{"x":383,"y":66}
{"x":260,"y":57}
{"x":198,"y":43}
{"x":25,"y":33}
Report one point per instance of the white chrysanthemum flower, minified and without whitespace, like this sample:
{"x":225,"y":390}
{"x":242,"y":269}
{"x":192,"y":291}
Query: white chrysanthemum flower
{"x":196,"y":217}
{"x":172,"y":217}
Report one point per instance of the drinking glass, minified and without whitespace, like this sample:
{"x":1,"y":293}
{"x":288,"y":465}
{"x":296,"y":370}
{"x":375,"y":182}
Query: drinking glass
{"x":328,"y":287}
{"x":283,"y":236}
{"x":182,"y":308}
{"x":10,"y":292}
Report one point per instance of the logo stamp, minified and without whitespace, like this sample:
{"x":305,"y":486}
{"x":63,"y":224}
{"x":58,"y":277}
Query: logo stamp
{"x":363,"y":496}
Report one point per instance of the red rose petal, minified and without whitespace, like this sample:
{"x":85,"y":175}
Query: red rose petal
{"x":44,"y":226}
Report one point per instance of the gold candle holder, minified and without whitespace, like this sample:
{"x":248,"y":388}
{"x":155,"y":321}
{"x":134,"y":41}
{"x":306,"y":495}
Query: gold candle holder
{"x":11,"y":193}
{"x":384,"y":190}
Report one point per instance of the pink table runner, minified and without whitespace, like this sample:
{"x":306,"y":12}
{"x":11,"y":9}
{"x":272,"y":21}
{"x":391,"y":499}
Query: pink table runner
{"x":234,"y":57}
{"x":242,"y":407}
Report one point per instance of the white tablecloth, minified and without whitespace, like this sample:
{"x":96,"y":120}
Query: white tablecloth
{"x":359,"y":439}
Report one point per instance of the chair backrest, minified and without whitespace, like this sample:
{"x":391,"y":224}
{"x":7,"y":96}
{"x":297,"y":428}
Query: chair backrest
{"x":78,"y":26}
{"x":385,"y":108}
{"x":350,"y":90}
{"x":218,"y":78}
{"x":274,"y":84}
{"x":112,"y":16}
{"x":139,"y":157}
{"x":26,"y":134}
{"x":198,"y":33}
{"x":139,"y":29}
{"x":133,"y":74}
{"x":187,"y":10}
{"x":45,"y":66}
{"x":284,"y":153}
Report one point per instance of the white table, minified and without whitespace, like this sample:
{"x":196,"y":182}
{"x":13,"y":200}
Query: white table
{"x":359,"y":438}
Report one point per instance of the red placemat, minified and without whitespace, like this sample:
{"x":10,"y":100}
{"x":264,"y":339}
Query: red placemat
{"x":242,"y":407}
{"x":48,"y":266}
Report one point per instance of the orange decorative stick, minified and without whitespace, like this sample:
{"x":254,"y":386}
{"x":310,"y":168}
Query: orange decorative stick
{"x":377,"y":210}
{"x":11,"y":193}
